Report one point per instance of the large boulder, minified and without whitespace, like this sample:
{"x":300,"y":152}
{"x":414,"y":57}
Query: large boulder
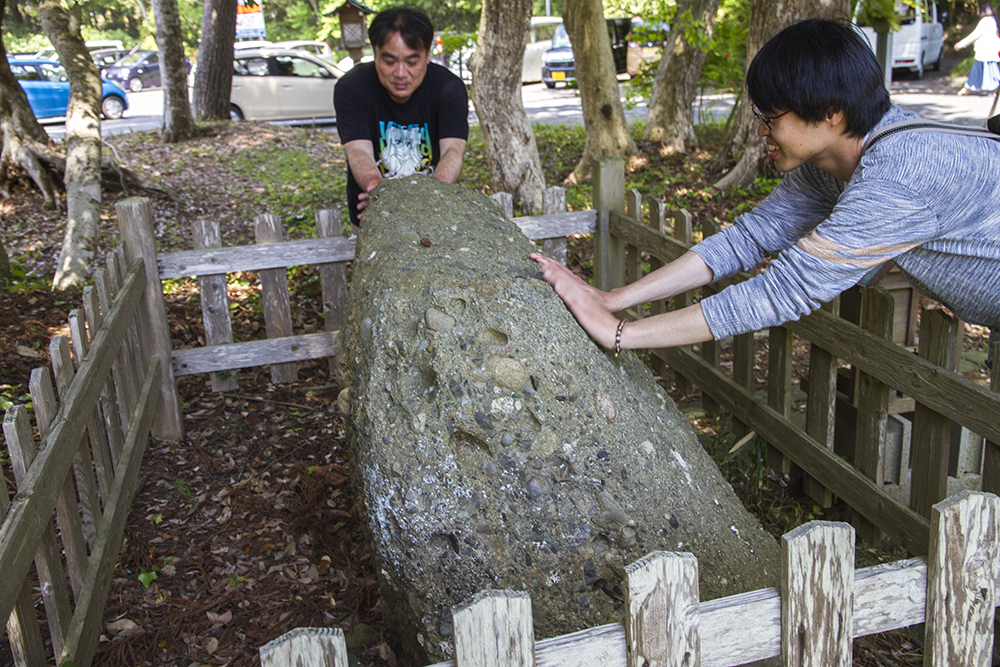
{"x":496,"y":446}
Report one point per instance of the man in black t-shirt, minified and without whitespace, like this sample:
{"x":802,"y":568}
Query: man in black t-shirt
{"x":401,"y":114}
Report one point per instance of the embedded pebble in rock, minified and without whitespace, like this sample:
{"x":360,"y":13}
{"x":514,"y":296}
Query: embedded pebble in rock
{"x":495,"y":446}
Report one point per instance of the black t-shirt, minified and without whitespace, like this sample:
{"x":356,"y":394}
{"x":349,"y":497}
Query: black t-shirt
{"x":405,"y":137}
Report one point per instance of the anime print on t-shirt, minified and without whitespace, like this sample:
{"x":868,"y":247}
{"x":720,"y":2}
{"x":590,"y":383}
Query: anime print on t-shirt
{"x":404,"y":150}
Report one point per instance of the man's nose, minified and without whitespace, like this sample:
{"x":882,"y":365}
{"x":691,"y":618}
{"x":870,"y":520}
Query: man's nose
{"x":400,"y":69}
{"x":762,"y":129}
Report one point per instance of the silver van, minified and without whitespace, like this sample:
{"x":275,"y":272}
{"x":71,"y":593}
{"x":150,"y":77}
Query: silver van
{"x":539,"y":41}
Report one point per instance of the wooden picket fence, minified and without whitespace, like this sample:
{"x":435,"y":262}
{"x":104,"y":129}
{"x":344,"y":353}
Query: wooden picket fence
{"x":85,"y":469}
{"x":823,"y":603}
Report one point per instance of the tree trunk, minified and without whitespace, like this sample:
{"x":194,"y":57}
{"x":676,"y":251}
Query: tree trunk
{"x":83,"y":144}
{"x":214,"y":78}
{"x":509,"y":141}
{"x":178,"y":123}
{"x":603,"y":116}
{"x":4,"y":263}
{"x":669,"y":121}
{"x":767,"y":18}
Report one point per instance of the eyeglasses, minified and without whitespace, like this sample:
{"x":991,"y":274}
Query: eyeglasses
{"x":767,"y":120}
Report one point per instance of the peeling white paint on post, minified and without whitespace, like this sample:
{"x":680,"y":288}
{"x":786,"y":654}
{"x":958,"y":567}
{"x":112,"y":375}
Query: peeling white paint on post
{"x":306,"y":647}
{"x":494,"y":629}
{"x":662,"y":626}
{"x":817,"y":595}
{"x":962,"y":572}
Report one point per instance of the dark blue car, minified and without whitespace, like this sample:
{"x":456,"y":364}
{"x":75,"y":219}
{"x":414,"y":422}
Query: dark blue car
{"x":47,"y":87}
{"x":137,"y":70}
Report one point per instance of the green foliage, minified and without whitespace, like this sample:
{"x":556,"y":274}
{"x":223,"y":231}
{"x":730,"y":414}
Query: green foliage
{"x":184,"y":490}
{"x":147,"y":576}
{"x":875,"y":12}
{"x":963,"y":67}
{"x":22,"y":281}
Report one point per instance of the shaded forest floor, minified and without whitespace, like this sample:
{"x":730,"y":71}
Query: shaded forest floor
{"x":246,"y":528}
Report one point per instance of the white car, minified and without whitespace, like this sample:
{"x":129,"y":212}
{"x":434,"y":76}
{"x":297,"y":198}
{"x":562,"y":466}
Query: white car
{"x":281,"y":84}
{"x":316,"y":48}
{"x":539,"y":41}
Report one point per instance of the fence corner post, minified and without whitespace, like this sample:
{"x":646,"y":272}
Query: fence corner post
{"x":609,"y":194}
{"x":817,"y":594}
{"x":663,"y":621}
{"x":317,"y":647}
{"x":962,"y":572}
{"x":494,"y":629}
{"x":135,"y":224}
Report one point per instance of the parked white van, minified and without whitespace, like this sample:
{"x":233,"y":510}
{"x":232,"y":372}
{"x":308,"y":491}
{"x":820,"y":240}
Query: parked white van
{"x":539,"y":41}
{"x":919,"y":42}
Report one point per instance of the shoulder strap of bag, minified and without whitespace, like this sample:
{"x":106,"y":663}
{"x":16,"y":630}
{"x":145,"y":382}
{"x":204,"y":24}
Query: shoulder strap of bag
{"x":933,"y":126}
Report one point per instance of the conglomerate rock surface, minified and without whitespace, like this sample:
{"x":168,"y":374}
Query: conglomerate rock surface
{"x":495,"y":445}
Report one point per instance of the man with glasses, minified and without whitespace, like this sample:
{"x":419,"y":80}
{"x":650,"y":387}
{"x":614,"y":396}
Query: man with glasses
{"x":928,"y":201}
{"x":401,"y":114}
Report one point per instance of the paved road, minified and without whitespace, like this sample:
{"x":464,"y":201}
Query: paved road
{"x":933,"y":97}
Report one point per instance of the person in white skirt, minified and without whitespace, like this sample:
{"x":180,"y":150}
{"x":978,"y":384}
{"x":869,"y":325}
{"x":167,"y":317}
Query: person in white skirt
{"x":985,"y":72}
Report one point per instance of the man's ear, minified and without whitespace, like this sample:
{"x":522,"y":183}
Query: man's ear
{"x":836,"y":117}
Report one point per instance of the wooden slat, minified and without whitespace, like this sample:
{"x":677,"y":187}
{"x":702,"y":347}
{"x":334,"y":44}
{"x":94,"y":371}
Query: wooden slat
{"x":48,"y":559}
{"x":33,"y":505}
{"x":494,"y":629}
{"x":214,"y":301}
{"x":135,"y":225}
{"x":333,"y":280}
{"x":277,"y":301}
{"x":872,"y":400}
{"x":856,"y":489}
{"x":123,"y":371}
{"x":43,"y":399}
{"x":931,"y":443}
{"x":250,"y":353}
{"x":554,"y":203}
{"x":85,"y":628}
{"x":779,"y":385}
{"x":662,"y":621}
{"x":23,"y":632}
{"x":821,"y":409}
{"x":561,"y":225}
{"x":609,"y":247}
{"x":90,"y":503}
{"x":962,"y":580}
{"x":817,"y":591}
{"x":315,"y":647}
{"x":950,"y":394}
{"x":991,"y":457}
{"x":109,"y":407}
{"x":302,"y":252}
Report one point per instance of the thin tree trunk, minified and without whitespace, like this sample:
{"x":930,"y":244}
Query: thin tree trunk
{"x":767,"y":18}
{"x":676,"y":85}
{"x":509,"y":140}
{"x":178,"y":123}
{"x":4,"y":263}
{"x":214,"y":78}
{"x":603,"y":116}
{"x":83,"y":144}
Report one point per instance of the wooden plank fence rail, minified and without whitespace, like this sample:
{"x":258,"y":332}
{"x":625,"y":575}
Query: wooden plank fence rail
{"x":823,"y":603}
{"x":84,"y":472}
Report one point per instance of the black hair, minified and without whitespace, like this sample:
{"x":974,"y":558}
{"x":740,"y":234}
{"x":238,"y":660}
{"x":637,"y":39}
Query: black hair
{"x":986,"y":9}
{"x":817,"y":67}
{"x":412,"y":25}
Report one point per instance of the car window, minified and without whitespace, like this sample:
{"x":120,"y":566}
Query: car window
{"x":250,"y":67}
{"x":54,"y":72}
{"x":291,"y":66}
{"x":153,"y":59}
{"x":561,"y":38}
{"x":24,"y":72}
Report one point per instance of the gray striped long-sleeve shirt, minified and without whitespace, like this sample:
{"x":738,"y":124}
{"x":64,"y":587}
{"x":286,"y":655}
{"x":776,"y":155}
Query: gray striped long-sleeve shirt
{"x":929,"y":201}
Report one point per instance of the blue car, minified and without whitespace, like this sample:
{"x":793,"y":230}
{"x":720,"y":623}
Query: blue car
{"x":47,"y":87}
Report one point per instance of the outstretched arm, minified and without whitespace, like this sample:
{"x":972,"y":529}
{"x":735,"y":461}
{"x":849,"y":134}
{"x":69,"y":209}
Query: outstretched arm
{"x":594,"y":309}
{"x":450,"y":165}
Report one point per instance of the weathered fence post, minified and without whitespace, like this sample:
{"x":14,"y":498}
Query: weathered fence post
{"x":609,"y":194}
{"x":682,"y":232}
{"x":135,"y":224}
{"x":817,"y":595}
{"x":215,"y":302}
{"x":554,"y":201}
{"x":662,"y":621}
{"x":779,"y":386}
{"x":710,"y":349}
{"x":962,"y":572}
{"x":274,"y":292}
{"x":991,"y":455}
{"x":872,"y":401}
{"x":506,"y":201}
{"x":931,"y":445}
{"x":494,"y":629}
{"x":312,"y":647}
{"x":332,"y":279}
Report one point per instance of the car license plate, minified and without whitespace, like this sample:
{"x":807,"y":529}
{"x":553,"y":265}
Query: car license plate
{"x":559,"y":76}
